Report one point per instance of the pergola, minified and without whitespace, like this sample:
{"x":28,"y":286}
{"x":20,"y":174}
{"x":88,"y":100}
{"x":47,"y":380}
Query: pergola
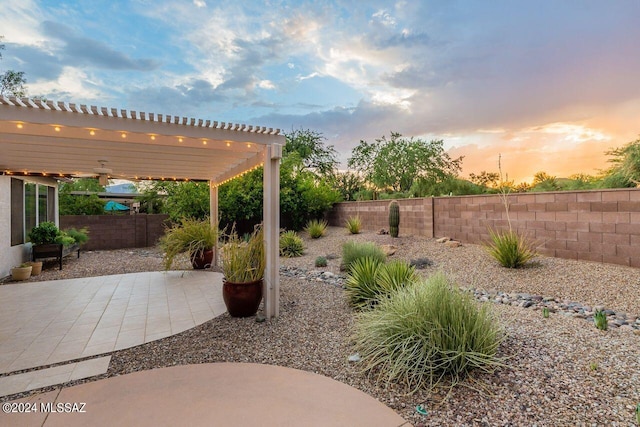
{"x":59,"y":140}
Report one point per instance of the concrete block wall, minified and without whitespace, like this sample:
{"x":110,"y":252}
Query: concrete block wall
{"x":118,"y":231}
{"x":601,"y":225}
{"x":416,"y":215}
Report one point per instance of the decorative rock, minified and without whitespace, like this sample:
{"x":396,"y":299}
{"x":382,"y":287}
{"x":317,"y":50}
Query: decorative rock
{"x":354,"y":357}
{"x":443,"y":239}
{"x":452,"y":244}
{"x":566,"y":308}
{"x":383,"y":231}
{"x":389,"y":249}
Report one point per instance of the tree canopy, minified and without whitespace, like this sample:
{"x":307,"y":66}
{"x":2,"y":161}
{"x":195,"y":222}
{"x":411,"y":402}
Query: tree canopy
{"x":81,"y":204}
{"x":396,"y":163}
{"x":310,"y":146}
{"x":625,"y":169}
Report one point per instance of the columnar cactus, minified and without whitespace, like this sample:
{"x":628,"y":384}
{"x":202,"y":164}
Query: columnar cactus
{"x":394,"y":218}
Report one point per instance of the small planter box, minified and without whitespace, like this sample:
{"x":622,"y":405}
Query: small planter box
{"x":54,"y":250}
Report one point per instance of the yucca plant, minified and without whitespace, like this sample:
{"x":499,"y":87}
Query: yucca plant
{"x":394,"y":275}
{"x":316,"y":228}
{"x":361,"y":286}
{"x":510,"y":248}
{"x":600,"y":320}
{"x":291,"y":244}
{"x":354,"y":224}
{"x":354,"y":250}
{"x":370,"y":279}
{"x":424,"y":332}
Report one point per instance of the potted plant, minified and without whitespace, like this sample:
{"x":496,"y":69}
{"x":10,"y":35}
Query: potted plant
{"x":36,"y":267}
{"x":45,"y":233}
{"x":21,"y":272}
{"x":80,"y":236}
{"x":196,"y":237}
{"x":243,"y":264}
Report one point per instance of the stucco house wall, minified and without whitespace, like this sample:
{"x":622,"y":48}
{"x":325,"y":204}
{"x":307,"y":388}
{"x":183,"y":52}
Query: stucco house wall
{"x":10,"y":256}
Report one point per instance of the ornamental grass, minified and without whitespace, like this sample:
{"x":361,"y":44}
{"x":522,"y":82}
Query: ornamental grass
{"x":426,"y":332}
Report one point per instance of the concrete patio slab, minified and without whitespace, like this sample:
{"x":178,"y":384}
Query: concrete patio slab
{"x":51,"y":376}
{"x":43,"y":323}
{"x":220,"y":394}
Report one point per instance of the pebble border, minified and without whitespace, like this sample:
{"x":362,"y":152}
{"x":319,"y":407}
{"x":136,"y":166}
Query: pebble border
{"x":620,"y":320}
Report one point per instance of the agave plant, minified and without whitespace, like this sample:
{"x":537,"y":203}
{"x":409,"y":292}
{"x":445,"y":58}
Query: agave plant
{"x":291,"y":244}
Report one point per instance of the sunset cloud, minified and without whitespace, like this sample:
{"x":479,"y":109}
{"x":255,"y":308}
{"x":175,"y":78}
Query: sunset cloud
{"x":549,"y":85}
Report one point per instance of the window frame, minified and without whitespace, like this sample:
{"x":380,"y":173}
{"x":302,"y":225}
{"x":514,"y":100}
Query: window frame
{"x":19,"y":232}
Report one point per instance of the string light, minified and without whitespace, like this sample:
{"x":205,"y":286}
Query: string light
{"x":218,"y":184}
{"x":19,"y":125}
{"x":92,"y":132}
{"x":57,"y":128}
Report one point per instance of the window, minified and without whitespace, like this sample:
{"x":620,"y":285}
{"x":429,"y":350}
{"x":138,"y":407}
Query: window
{"x":31,"y":204}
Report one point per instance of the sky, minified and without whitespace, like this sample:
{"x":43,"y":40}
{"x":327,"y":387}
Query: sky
{"x":547,"y":85}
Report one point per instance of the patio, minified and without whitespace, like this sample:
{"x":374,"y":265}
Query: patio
{"x":66,"y":322}
{"x":45,"y":323}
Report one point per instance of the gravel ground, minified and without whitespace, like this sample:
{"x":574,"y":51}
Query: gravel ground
{"x":560,"y":370}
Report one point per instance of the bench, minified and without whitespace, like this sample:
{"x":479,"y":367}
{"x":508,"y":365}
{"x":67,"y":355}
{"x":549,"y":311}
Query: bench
{"x":54,"y":250}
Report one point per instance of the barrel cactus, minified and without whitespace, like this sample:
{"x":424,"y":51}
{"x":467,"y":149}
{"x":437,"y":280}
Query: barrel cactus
{"x":394,"y":218}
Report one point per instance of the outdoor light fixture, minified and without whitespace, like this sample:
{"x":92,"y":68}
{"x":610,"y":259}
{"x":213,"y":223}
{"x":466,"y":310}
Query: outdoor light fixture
{"x":179,"y":139}
{"x":153,"y":137}
{"x":19,"y":125}
{"x":92,"y":132}
{"x":228,"y":144}
{"x":124,"y":135}
{"x":57,"y":128}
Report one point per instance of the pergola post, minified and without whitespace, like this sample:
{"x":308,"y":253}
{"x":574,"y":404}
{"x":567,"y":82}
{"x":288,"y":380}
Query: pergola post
{"x":271,"y":224}
{"x":213,"y":215}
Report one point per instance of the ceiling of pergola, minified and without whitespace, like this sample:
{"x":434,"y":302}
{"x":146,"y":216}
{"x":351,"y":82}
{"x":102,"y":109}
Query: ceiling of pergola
{"x":64,"y":139}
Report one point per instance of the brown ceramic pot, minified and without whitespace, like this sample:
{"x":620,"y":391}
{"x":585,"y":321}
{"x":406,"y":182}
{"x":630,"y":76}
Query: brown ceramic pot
{"x":242,"y":299}
{"x":202,"y":259}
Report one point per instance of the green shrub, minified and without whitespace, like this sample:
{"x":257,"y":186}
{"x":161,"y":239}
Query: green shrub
{"x":510,"y":248}
{"x":321,"y":261}
{"x":45,"y":233}
{"x":361,"y":285}
{"x":354,"y":224}
{"x":425,"y":332}
{"x":354,"y":250}
{"x":316,"y":228}
{"x":600,"y":320}
{"x":64,"y":239}
{"x":291,"y":244}
{"x":370,"y":280}
{"x":80,"y":236}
